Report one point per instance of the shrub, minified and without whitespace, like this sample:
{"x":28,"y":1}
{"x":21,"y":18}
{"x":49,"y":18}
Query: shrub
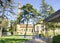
{"x":56,"y":39}
{"x":41,"y":35}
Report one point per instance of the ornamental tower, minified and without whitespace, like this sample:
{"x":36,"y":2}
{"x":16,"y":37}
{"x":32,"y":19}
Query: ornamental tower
{"x":18,"y":16}
{"x":19,"y":7}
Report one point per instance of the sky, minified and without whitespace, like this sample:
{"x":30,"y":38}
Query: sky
{"x":36,"y":4}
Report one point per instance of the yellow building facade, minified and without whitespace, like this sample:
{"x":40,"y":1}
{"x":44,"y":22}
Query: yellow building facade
{"x":21,"y":29}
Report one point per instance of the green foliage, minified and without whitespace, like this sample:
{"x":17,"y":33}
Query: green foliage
{"x":45,"y":9}
{"x":18,"y":19}
{"x":41,"y":35}
{"x":53,"y":26}
{"x":12,"y":27}
{"x":58,"y":25}
{"x":51,"y":10}
{"x":56,"y":39}
{"x":29,"y":12}
{"x":7,"y":6}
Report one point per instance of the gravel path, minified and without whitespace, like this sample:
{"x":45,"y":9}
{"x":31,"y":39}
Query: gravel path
{"x":35,"y":41}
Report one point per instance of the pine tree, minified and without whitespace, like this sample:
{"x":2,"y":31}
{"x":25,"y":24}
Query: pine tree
{"x":44,"y":9}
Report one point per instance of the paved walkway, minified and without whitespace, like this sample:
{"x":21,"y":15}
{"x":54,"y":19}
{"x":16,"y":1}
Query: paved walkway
{"x":35,"y":41}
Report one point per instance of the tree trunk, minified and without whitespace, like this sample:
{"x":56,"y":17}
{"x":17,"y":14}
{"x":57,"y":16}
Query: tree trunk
{"x":33,"y":31}
{"x":15,"y":29}
{"x":26,"y":29}
{"x":46,"y":32}
{"x":0,"y":31}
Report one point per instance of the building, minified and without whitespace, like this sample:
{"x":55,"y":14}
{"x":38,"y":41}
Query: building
{"x":21,"y":29}
{"x":54,"y":18}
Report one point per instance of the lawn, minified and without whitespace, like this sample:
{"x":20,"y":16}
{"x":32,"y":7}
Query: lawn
{"x":16,"y":37}
{"x":12,"y":40}
{"x":8,"y":40}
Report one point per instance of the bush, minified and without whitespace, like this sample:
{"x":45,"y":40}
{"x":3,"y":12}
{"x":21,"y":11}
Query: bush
{"x":41,"y":35}
{"x":56,"y":39}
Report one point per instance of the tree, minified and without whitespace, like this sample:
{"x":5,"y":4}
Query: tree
{"x":51,"y":10}
{"x":6,"y":6}
{"x":5,"y":26}
{"x":52,"y":26}
{"x":28,"y":13}
{"x":12,"y":27}
{"x":44,"y":9}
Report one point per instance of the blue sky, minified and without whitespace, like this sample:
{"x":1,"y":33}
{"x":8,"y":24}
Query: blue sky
{"x":55,"y":4}
{"x":36,"y":4}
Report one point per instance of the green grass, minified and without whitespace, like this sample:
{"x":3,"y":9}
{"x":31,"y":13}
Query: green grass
{"x":8,"y":37}
{"x":15,"y":37}
{"x":12,"y":40}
